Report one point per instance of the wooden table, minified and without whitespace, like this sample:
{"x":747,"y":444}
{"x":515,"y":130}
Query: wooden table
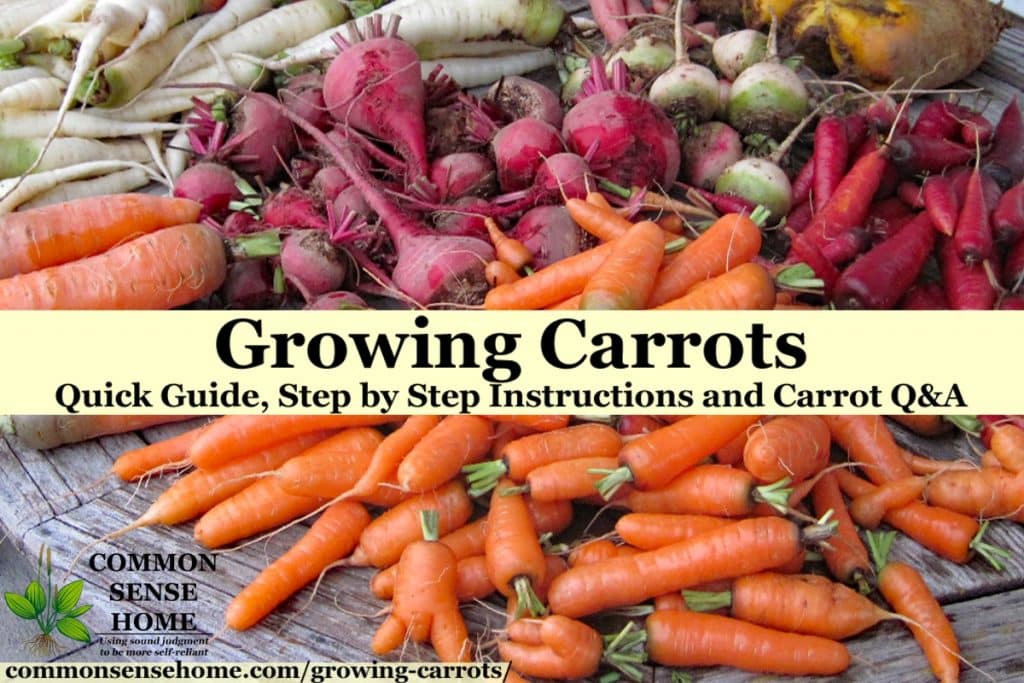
{"x":62,"y":499}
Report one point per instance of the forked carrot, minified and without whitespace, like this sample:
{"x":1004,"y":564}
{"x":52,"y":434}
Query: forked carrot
{"x":160,"y":270}
{"x":903,"y":588}
{"x":552,"y":647}
{"x":330,"y":538}
{"x":508,"y":250}
{"x":730,"y":241}
{"x":745,"y":287}
{"x":625,"y":279}
{"x":599,"y":220}
{"x":549,"y":285}
{"x":472,"y":582}
{"x":441,"y":453}
{"x":390,"y":452}
{"x":869,"y":509}
{"x":51,"y":235}
{"x":232,"y":436}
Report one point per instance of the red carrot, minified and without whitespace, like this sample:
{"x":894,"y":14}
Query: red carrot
{"x":1008,"y":215}
{"x":831,"y":152}
{"x":972,"y":237}
{"x":967,"y":287}
{"x":941,"y":203}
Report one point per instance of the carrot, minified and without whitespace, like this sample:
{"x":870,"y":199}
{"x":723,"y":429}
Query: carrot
{"x":794,"y":446}
{"x":390,"y":452}
{"x":556,"y":647}
{"x":678,"y":638}
{"x":845,"y":554}
{"x":748,"y":546}
{"x":973,"y":237}
{"x":440,"y":454}
{"x":984,"y":493}
{"x":868,"y":441}
{"x":508,"y":250}
{"x":797,"y":603}
{"x":549,"y":285}
{"x":718,"y":490}
{"x":425,"y":605}
{"x":49,"y":236}
{"x":731,"y":240}
{"x":330,"y":538}
{"x":903,"y":588}
{"x":331,"y":467}
{"x":650,"y":530}
{"x":941,"y":202}
{"x":949,"y":534}
{"x":156,"y":457}
{"x":732,"y":452}
{"x":515,"y":559}
{"x":472,"y":582}
{"x":564,"y":479}
{"x":44,"y":432}
{"x":537,"y":423}
{"x":869,"y":509}
{"x":160,"y":270}
{"x":925,"y":425}
{"x":654,"y":459}
{"x":231,"y":436}
{"x":626,"y":278}
{"x":831,"y":151}
{"x":500,"y":273}
{"x":521,"y":456}
{"x":597,"y":550}
{"x":672,"y":601}
{"x":258,"y":507}
{"x":382,"y":542}
{"x":748,"y":286}
{"x":1007,"y":444}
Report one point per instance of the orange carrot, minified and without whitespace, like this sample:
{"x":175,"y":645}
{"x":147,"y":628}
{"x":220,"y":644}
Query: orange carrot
{"x":677,"y":638}
{"x":161,"y":270}
{"x":925,"y":425}
{"x":440,"y":454}
{"x":746,"y":287}
{"x":425,"y":604}
{"x":332,"y":466}
{"x":390,"y":452}
{"x":732,"y":240}
{"x":537,"y":423}
{"x":1007,"y":444}
{"x":624,"y":280}
{"x":984,"y":493}
{"x":258,"y":507}
{"x":798,"y":603}
{"x":472,"y":582}
{"x":515,"y":559}
{"x":500,"y":273}
{"x":60,"y":233}
{"x":597,"y":217}
{"x":794,"y":446}
{"x":845,"y":554}
{"x":649,"y":530}
{"x":330,"y":538}
{"x":732,"y":452}
{"x":597,"y":550}
{"x":564,"y":479}
{"x":508,"y":250}
{"x":672,"y":601}
{"x":745,"y":547}
{"x":654,"y":459}
{"x":561,"y":648}
{"x":155,"y":457}
{"x":382,"y":542}
{"x":989,"y":459}
{"x":903,"y":588}
{"x":869,"y":509}
{"x":868,"y":441}
{"x":231,"y":436}
{"x":718,"y":490}
{"x":549,"y":285}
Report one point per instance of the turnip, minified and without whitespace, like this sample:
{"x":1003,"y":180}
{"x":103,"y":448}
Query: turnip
{"x":767,"y":97}
{"x":646,"y":49}
{"x":687,"y":91}
{"x":736,"y":51}
{"x":708,"y":150}
{"x":626,"y":137}
{"x":312,"y":264}
{"x":759,"y":181}
{"x":212,"y":185}
{"x":550,"y":233}
{"x":519,"y":98}
{"x":374,"y":85}
{"x":463,"y":174}
{"x":519,"y":149}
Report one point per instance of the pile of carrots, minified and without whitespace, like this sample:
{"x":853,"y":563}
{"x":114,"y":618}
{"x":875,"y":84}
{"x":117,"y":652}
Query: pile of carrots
{"x":722,"y":525}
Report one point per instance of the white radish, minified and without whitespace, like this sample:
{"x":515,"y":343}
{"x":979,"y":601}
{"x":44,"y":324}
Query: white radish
{"x":179,"y":151}
{"x":161,"y":15}
{"x":17,"y":191}
{"x":112,"y":183}
{"x":234,"y":13}
{"x":68,"y":10}
{"x":53,"y":65}
{"x":158,"y":103}
{"x":44,"y":92}
{"x":9,"y":77}
{"x":270,"y":33}
{"x":456,"y":21}
{"x":16,"y":124}
{"x":17,"y":154}
{"x":476,"y":48}
{"x":19,"y":15}
{"x":154,"y":143}
{"x":470,"y":72}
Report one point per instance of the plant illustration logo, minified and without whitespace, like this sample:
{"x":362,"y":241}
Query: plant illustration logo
{"x":49,"y":608}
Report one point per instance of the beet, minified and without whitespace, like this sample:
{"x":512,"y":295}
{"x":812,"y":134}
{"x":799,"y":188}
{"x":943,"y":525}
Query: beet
{"x":520,"y":98}
{"x":519,"y":149}
{"x":550,"y":233}
{"x":211,"y":184}
{"x":304,"y":95}
{"x":249,"y":284}
{"x":710,"y":149}
{"x":293,"y":208}
{"x":328,"y":182}
{"x":262,"y":137}
{"x":463,"y":174}
{"x":337,"y":301}
{"x":560,"y":176}
{"x":312,"y":264}
{"x":465,"y":216}
{"x":627,"y":138}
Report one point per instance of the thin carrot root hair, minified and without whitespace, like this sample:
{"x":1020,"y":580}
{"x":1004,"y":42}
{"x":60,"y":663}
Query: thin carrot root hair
{"x":117,"y":533}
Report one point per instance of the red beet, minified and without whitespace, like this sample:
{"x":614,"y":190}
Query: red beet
{"x":550,"y":233}
{"x":262,"y":136}
{"x":519,"y":149}
{"x":249,"y":284}
{"x":337,"y":301}
{"x":559,"y":177}
{"x":210,"y":184}
{"x":519,"y":98}
{"x":293,"y":208}
{"x":329,"y":181}
{"x":312,"y":264}
{"x":463,"y":174}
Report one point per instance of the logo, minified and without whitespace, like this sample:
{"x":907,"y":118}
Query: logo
{"x":52,"y":608}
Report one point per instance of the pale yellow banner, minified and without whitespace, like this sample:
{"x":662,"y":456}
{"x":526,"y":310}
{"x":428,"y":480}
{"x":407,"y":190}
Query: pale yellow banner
{"x":645,"y":362}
